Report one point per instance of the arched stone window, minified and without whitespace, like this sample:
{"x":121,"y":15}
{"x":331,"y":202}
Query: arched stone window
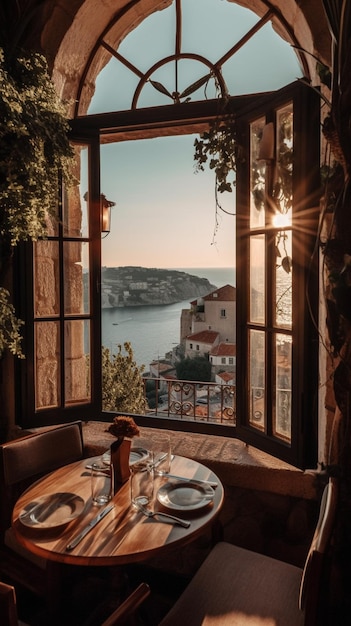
{"x":177,"y":66}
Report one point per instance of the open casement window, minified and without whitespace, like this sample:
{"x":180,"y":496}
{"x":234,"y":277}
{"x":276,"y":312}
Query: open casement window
{"x":277,"y":284}
{"x":63,"y":339}
{"x":277,"y":276}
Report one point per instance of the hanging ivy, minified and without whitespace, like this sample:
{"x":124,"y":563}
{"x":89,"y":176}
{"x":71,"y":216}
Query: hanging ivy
{"x":34,"y":147}
{"x":34,"y":153}
{"x":219,"y":146}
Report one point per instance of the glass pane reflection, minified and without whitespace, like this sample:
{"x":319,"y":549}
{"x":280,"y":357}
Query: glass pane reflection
{"x":283,"y":279}
{"x":257,"y":279}
{"x":47,"y":364}
{"x":77,"y":362}
{"x":74,"y":205}
{"x":46,"y":278}
{"x":258,"y":177}
{"x":76,"y":277}
{"x":283,"y":369}
{"x":257,"y":379}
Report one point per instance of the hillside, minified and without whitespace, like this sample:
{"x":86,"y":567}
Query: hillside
{"x":141,"y":286}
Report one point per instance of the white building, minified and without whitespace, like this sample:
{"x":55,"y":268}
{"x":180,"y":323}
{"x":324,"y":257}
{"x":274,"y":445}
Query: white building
{"x":201,"y":344}
{"x":223,"y":358}
{"x":214,"y":312}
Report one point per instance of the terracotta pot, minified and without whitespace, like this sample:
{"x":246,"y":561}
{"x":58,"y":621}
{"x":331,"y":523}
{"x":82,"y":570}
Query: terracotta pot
{"x":120,"y":451}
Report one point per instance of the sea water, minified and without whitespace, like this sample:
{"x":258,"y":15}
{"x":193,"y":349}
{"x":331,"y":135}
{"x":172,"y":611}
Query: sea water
{"x":154,"y":330}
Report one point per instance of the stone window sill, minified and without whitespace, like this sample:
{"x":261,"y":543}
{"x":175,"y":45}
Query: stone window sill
{"x":234,"y":462}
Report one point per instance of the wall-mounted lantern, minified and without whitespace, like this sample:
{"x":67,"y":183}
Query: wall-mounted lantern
{"x":105,"y":213}
{"x":106,"y":206}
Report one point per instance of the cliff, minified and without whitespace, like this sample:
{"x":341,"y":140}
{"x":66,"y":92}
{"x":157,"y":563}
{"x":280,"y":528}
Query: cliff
{"x":141,"y":286}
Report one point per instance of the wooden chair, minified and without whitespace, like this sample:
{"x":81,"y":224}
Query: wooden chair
{"x":23,"y":461}
{"x":237,"y":587}
{"x":122,"y":616}
{"x":126,"y":611}
{"x":8,"y":608}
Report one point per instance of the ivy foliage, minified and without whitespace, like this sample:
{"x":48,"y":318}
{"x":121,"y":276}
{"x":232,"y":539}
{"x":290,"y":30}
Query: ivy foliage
{"x":34,"y":147}
{"x":219,"y":147}
{"x":34,"y":153}
{"x":122,"y":382}
{"x":10,"y":336}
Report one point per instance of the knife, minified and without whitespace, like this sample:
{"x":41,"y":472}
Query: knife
{"x":211,"y":483}
{"x":88,"y":528}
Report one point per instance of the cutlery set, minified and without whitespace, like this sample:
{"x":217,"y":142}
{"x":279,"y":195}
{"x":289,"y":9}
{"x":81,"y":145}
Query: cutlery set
{"x":89,"y":527}
{"x":145,"y":511}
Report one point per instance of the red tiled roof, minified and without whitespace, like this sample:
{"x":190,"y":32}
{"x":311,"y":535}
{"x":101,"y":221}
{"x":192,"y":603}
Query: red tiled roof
{"x":206,"y":336}
{"x":224,"y":349}
{"x":162,"y":367}
{"x":223,"y":294}
{"x":226,"y":376}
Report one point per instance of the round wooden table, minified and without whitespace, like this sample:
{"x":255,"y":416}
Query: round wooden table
{"x":124,"y":535}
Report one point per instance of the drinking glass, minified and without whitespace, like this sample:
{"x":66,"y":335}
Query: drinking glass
{"x":141,"y":483}
{"x":101,"y":483}
{"x":161,"y":450}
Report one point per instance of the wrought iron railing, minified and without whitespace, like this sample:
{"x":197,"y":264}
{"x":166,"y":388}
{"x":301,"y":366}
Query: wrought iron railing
{"x":191,"y":400}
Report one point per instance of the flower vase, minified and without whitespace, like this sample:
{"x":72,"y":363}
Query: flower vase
{"x":120,"y":451}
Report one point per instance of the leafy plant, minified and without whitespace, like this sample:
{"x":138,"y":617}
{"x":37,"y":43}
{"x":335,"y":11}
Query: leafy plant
{"x":34,"y":153}
{"x":9,"y":326}
{"x":122,"y":382}
{"x":198,"y":368}
{"x":34,"y":147}
{"x":219,"y":146}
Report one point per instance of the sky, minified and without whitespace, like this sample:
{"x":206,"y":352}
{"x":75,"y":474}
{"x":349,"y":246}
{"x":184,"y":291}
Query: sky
{"x":165,"y":211}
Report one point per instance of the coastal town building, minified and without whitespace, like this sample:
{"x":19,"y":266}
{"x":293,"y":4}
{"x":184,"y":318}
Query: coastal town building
{"x":211,"y":319}
{"x":215,"y":311}
{"x":223,"y":359}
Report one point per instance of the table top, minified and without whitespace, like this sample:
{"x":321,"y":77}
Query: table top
{"x":124,"y":535}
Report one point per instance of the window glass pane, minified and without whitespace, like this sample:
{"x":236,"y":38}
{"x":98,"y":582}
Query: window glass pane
{"x":283,"y":280}
{"x":257,"y":379}
{"x":76,"y":277}
{"x":282,"y":191}
{"x":246,"y":65}
{"x":47,"y":364}
{"x":74,"y":198}
{"x":258,"y":177}
{"x":77,"y":367}
{"x":257,"y":279}
{"x":142,"y":48}
{"x":109,"y":81}
{"x":46,"y":279}
{"x":52,"y":223}
{"x":283,"y":379}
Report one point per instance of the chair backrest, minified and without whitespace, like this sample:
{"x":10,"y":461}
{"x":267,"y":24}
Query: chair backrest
{"x":24,"y":460}
{"x":312,"y":589}
{"x":8,"y":609}
{"x":126,"y":611}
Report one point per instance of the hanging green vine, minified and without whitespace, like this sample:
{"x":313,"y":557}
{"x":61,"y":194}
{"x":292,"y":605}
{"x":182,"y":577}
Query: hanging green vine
{"x":34,"y":153}
{"x":219,"y":145}
{"x":34,"y":147}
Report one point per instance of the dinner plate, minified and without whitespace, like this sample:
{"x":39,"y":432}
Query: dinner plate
{"x":55,"y":509}
{"x":136,"y":455}
{"x":185,"y":496}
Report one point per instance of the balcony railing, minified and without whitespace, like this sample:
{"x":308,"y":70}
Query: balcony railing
{"x":191,"y":400}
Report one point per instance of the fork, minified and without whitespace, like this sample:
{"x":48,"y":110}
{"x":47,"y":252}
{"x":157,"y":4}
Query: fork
{"x":176,"y":520}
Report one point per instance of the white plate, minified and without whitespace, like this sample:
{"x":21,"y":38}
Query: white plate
{"x":52,"y":510}
{"x":136,"y":455}
{"x":185,"y":496}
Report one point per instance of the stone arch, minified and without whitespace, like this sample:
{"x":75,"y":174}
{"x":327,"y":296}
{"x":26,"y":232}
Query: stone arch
{"x":70,"y":40}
